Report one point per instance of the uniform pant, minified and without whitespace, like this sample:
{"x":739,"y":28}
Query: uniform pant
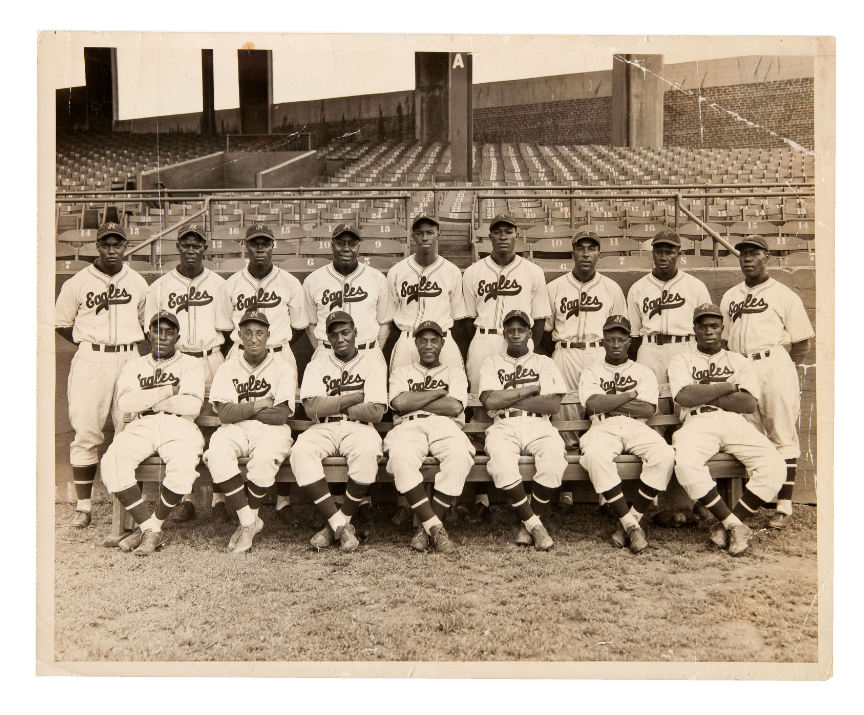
{"x":359,"y":443}
{"x":703,"y":435}
{"x":175,"y":439}
{"x":608,"y":438}
{"x":267,"y":446}
{"x":572,"y":362}
{"x":405,"y":352}
{"x":657,"y":357}
{"x":779,"y":401}
{"x":411,"y":440}
{"x":507,"y":438}
{"x":91,"y":396}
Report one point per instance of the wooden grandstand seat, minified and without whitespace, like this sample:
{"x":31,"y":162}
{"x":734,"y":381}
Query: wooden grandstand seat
{"x":232,"y":265}
{"x":604,"y":228}
{"x":615,"y":244}
{"x":292,"y":232}
{"x":553,"y":246}
{"x":78,"y":237}
{"x":381,"y":263}
{"x":301,"y":264}
{"x":798,"y":260}
{"x":759,"y":228}
{"x":485,"y":247}
{"x":686,"y":262}
{"x":225,"y":247}
{"x":800,"y":229}
{"x":90,"y":218}
{"x":554,"y":265}
{"x":383,"y":246}
{"x":637,"y":263}
{"x":315,"y":247}
{"x":70,"y":265}
{"x":787,"y":244}
{"x":644,"y":231}
{"x":545,"y":231}
{"x":383,"y":231}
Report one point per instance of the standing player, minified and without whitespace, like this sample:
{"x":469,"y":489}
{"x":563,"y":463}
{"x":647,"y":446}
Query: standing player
{"x":190,"y":291}
{"x":521,"y":389}
{"x":620,"y":395}
{"x":100,"y":309}
{"x":766,"y":322}
{"x":253,"y":394}
{"x":428,"y":399}
{"x":345,"y":392}
{"x":717,"y":389}
{"x":164,"y":392}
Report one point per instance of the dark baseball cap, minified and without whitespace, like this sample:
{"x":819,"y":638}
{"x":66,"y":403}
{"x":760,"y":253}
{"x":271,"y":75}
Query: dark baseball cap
{"x":163,"y":316}
{"x":192,"y":229}
{"x":502,"y":218}
{"x":254,"y":316}
{"x":110,"y":228}
{"x":341,"y":228}
{"x":616,"y":322}
{"x":424,"y":217}
{"x":585,"y":235}
{"x":752,"y":240}
{"x":259,"y":229}
{"x":517,"y":314}
{"x":338,"y":316}
{"x":707,"y":309}
{"x":429,"y":325}
{"x":667,"y":236}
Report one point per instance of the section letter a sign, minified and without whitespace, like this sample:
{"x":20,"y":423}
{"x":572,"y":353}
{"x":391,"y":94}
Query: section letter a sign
{"x":457,"y":61}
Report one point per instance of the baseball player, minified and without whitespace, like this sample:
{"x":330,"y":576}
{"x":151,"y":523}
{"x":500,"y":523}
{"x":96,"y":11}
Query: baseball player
{"x":619,"y":395}
{"x":101,"y":310}
{"x":253,"y":394}
{"x":581,"y":300}
{"x":766,"y":322}
{"x":521,"y":389}
{"x":190,"y":291}
{"x":493,"y":287}
{"x":345,"y":392}
{"x":164,"y":392}
{"x":276,"y":293}
{"x":717,"y":388}
{"x":428,"y":398}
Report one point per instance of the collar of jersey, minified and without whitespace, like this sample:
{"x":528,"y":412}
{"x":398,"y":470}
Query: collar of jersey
{"x":417,"y":268}
{"x":756,"y":289}
{"x":503,"y":269}
{"x":337,"y":362}
{"x":191,"y":281}
{"x":159,"y":363}
{"x":589,"y":284}
{"x":524,"y":358}
{"x":274,"y":270}
{"x":105,"y":278}
{"x":345,"y":279}
{"x":656,"y":281}
{"x":241,"y":358}
{"x":610,"y":366}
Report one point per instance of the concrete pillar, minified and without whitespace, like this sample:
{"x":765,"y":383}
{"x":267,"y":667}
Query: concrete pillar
{"x":100,"y":75}
{"x":430,"y":96}
{"x":255,"y":78}
{"x":637,"y":100}
{"x":461,"y":133}
{"x":208,"y":103}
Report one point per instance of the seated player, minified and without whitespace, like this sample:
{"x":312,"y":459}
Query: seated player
{"x":619,"y":395}
{"x":428,"y":401}
{"x":717,"y":388}
{"x":253,"y":394}
{"x":345,"y":392}
{"x":164,"y":391}
{"x":521,"y":389}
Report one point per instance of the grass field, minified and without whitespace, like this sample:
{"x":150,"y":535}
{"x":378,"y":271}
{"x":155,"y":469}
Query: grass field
{"x":681,"y":600}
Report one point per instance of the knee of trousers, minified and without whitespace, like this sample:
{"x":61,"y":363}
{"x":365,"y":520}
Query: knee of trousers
{"x":305,"y":465}
{"x":450,"y":479}
{"x":550,"y":468}
{"x":765,"y":481}
{"x":363,"y":468}
{"x":503,"y":469}
{"x":221,"y":458}
{"x":405,"y":469}
{"x":602,"y":472}
{"x":181,"y":473}
{"x":117,"y":472}
{"x":658,"y":466}
{"x":694,"y":478}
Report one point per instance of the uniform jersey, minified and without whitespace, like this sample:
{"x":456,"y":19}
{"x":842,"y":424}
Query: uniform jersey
{"x":763,"y":316}
{"x":426,"y":293}
{"x":328,"y":376}
{"x":693,"y":367}
{"x":417,"y":378}
{"x":491,"y":291}
{"x":193,"y":301}
{"x":103,"y":309}
{"x":278,"y":295}
{"x":363,"y":294}
{"x":147,"y":373}
{"x":237,"y":381}
{"x":580,"y":309}
{"x":655,"y":306}
{"x":605,"y":379}
{"x":502,"y":372}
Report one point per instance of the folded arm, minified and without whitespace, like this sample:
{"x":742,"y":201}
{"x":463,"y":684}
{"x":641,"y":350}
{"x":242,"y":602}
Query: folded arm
{"x":318,"y":407}
{"x":741,"y":402}
{"x":410,"y":401}
{"x":636,"y":409}
{"x":446,"y":406}
{"x":138,"y":400}
{"x":180,"y":405}
{"x":503,"y":399}
{"x":699,"y":394}
{"x":541,"y":404}
{"x":603,"y":404}
{"x":367,"y":412}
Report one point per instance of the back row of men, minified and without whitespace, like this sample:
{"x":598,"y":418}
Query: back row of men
{"x":103,"y":308}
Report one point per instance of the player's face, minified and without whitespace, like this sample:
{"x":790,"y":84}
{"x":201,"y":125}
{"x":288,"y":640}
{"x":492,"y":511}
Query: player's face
{"x":517,"y":335}
{"x":191,"y":252}
{"x":163,"y":338}
{"x":616,"y":343}
{"x":709,"y":332}
{"x":665,"y":257}
{"x":425,"y":235}
{"x":753,"y":261}
{"x":585,"y":255}
{"x":503,"y":238}
{"x":260,"y":250}
{"x":111,"y":252}
{"x":341,"y":337}
{"x":345,"y":250}
{"x":253,"y":337}
{"x":429,"y":345}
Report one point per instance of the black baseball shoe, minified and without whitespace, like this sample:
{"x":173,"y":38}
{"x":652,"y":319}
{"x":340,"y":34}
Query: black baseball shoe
{"x":81,"y":520}
{"x":420,"y":540}
{"x":151,"y":542}
{"x":441,"y":540}
{"x":183,"y":512}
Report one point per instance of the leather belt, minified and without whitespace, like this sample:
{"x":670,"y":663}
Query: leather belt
{"x":202,"y":353}
{"x":363,"y":346}
{"x":759,"y":355}
{"x":111,"y":348}
{"x":661,"y":339}
{"x":416,"y":417}
{"x":148,"y":412}
{"x":705,"y":408}
{"x":410,"y":333}
{"x":343,"y":418}
{"x":517,"y":413}
{"x":490,"y":331}
{"x":581,"y":345}
{"x":276,"y":349}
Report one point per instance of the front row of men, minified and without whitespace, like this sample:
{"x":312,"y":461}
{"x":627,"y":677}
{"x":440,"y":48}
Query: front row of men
{"x":345,"y":393}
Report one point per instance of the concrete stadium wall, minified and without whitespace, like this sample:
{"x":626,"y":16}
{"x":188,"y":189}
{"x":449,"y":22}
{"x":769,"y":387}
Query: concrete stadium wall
{"x":206,"y":172}
{"x":303,"y":169}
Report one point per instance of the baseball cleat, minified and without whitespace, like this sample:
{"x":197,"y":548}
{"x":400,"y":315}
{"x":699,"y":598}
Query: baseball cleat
{"x":114,"y":541}
{"x":780,"y":520}
{"x":81,"y":520}
{"x":441,"y":540}
{"x":739,"y":539}
{"x":523,"y":538}
{"x":150,"y":542}
{"x":347,"y":538}
{"x":420,"y":540}
{"x":232,"y":542}
{"x":323,"y":538}
{"x":606,"y":510}
{"x":619,"y":537}
{"x":219,"y":512}
{"x":247,"y":536}
{"x":542,"y":540}
{"x":184,"y":511}
{"x":718,"y":535}
{"x":636,"y":537}
{"x":285,"y":514}
{"x":130,"y":542}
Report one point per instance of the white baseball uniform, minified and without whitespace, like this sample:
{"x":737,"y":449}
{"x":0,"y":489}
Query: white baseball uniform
{"x":425,"y":293}
{"x":609,"y":436}
{"x":491,"y":291}
{"x":267,"y":446}
{"x":760,"y":322}
{"x":358,"y":442}
{"x":708,"y":430}
{"x":662,"y":313}
{"x":193,"y":301}
{"x":509,"y":436}
{"x":419,"y":433}
{"x":106,"y":314}
{"x":145,"y":386}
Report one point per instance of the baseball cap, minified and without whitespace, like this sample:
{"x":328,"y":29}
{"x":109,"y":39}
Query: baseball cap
{"x":110,"y":229}
{"x":424,"y":217}
{"x":707,"y":309}
{"x":254,"y":316}
{"x":668,"y":236}
{"x":163,"y":316}
{"x":338,"y":316}
{"x":585,"y":234}
{"x":502,"y":218}
{"x":616,"y":322}
{"x":341,"y":228}
{"x":429,"y":325}
{"x":259,"y":229}
{"x":520,"y":314}
{"x":752,"y":240}
{"x":192,"y":229}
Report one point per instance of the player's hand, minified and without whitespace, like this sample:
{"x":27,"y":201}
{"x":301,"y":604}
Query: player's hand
{"x":269,"y":416}
{"x":264,"y":403}
{"x":175,"y":389}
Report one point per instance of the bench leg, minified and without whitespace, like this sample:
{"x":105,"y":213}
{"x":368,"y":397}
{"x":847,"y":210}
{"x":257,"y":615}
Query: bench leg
{"x":118,"y":517}
{"x":734,"y":488}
